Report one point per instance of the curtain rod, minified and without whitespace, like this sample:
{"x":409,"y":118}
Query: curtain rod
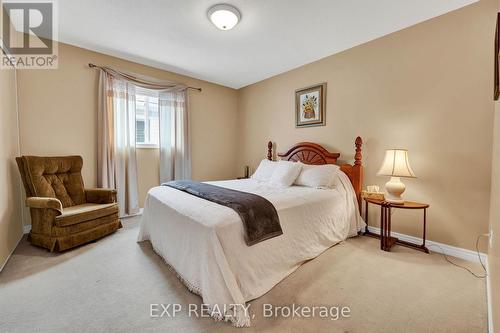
{"x":91,"y":65}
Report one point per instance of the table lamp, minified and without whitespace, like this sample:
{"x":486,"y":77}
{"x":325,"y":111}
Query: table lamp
{"x":396,"y":165}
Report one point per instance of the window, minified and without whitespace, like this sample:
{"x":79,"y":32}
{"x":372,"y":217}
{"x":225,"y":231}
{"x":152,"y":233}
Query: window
{"x":147,"y":129}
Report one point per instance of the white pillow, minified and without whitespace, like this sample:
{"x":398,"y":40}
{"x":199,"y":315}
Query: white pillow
{"x":317,"y":176}
{"x":285,"y":173}
{"x":264,"y":171}
{"x":337,"y":181}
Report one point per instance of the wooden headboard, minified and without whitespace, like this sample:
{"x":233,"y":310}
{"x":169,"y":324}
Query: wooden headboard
{"x":313,"y":153}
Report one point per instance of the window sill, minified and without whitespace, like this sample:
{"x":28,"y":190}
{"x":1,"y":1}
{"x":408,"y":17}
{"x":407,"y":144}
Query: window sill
{"x":146,"y":146}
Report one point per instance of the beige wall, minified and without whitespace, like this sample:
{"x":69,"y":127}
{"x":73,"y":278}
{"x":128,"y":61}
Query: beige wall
{"x":58,"y":116}
{"x":433,"y":78}
{"x":427,"y":88}
{"x":10,"y":204}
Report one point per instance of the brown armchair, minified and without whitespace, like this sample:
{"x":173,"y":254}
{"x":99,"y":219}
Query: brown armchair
{"x":63,"y":213}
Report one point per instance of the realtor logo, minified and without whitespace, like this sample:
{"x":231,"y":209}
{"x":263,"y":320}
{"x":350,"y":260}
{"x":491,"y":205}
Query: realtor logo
{"x":28,"y":34}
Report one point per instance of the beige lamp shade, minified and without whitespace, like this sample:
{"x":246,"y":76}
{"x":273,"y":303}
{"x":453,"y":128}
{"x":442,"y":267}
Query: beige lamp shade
{"x":396,"y":164}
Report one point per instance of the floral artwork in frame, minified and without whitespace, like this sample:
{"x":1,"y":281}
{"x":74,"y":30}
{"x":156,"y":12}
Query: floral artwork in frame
{"x":310,"y":106}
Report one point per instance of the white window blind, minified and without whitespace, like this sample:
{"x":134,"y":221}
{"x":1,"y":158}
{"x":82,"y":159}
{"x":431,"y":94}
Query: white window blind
{"x":147,"y":121}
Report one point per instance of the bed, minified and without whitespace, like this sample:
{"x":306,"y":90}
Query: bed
{"x":203,"y":241}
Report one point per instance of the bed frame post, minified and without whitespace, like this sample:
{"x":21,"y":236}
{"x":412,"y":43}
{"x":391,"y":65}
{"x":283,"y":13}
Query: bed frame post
{"x":270,"y":151}
{"x":358,"y":156}
{"x":358,"y":171}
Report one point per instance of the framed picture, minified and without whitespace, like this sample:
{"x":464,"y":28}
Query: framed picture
{"x":310,"y":105}
{"x":496,"y":92}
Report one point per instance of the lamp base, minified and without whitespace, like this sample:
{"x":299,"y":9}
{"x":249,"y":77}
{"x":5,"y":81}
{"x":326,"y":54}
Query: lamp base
{"x":394,"y":188}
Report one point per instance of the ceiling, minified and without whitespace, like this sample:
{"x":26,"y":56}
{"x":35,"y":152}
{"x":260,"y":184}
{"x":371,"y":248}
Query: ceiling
{"x":273,"y":36}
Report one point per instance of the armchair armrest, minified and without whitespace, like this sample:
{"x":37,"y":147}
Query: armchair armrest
{"x":45,"y":203}
{"x":100,"y":195}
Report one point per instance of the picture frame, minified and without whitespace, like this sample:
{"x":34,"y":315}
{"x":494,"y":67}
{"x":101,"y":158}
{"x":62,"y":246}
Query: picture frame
{"x":496,"y":92}
{"x":310,"y":106}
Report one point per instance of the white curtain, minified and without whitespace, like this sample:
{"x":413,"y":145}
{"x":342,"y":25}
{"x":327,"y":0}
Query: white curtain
{"x":175,"y":159}
{"x":116,"y":160}
{"x":117,"y":164}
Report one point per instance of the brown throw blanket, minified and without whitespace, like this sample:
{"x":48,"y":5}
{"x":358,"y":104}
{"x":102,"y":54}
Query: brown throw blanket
{"x":260,"y":218}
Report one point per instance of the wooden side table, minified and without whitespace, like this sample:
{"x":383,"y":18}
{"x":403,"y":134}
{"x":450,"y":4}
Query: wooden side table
{"x":386,"y":240}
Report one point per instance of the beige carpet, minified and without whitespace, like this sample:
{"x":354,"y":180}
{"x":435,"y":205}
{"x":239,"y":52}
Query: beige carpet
{"x":108,"y":286}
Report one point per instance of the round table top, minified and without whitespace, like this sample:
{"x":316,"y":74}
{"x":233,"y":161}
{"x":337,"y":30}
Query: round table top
{"x":405,"y":205}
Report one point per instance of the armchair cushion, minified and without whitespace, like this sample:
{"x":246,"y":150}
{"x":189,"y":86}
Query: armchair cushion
{"x":57,"y":177}
{"x":100,"y":195}
{"x":44,"y":202}
{"x":85,"y":212}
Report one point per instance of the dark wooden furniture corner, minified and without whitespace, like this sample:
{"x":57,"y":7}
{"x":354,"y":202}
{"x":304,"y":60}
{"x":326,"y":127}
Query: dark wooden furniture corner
{"x":386,"y":240}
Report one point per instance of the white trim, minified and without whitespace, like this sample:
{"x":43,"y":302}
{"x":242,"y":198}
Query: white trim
{"x":10,"y":254}
{"x":140,"y":145}
{"x":448,"y":249}
{"x":27,"y":228}
{"x":488,"y":298}
{"x":132,"y":215}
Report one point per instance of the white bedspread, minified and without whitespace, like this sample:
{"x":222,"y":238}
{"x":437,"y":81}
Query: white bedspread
{"x":203,"y":241}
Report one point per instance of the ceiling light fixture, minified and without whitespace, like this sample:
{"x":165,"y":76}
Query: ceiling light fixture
{"x":224,"y":16}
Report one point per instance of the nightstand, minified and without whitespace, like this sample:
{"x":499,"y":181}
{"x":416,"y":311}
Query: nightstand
{"x":386,"y":240}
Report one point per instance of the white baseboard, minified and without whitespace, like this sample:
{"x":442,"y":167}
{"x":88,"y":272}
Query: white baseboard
{"x":488,"y":298}
{"x":136,"y":214}
{"x":436,"y":247}
{"x":448,"y":249}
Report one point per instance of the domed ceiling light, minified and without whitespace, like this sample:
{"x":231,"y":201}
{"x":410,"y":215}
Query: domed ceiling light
{"x":224,"y":16}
